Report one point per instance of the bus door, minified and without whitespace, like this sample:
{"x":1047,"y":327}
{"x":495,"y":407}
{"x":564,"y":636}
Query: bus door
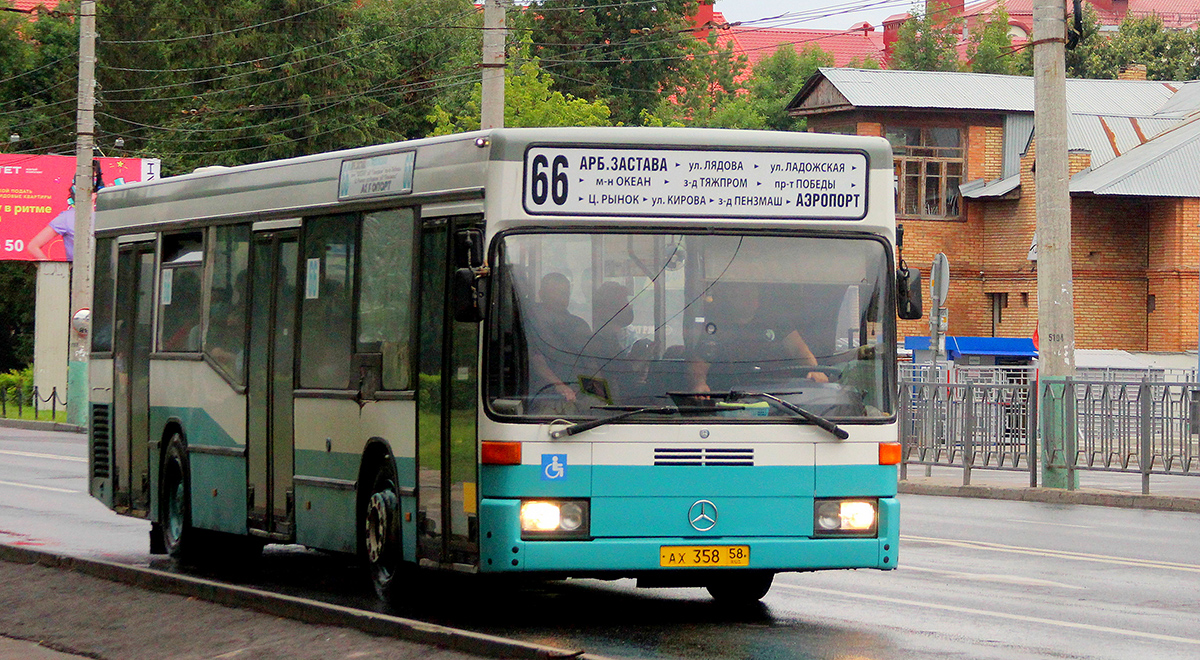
{"x":133,"y":341}
{"x":447,"y":497}
{"x":269,"y":441}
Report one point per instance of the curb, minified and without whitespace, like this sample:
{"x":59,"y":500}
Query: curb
{"x":295,"y":608}
{"x":1057,"y":496}
{"x":37,"y":425}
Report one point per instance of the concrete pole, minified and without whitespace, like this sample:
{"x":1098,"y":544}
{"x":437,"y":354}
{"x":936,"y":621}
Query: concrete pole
{"x":494,"y":32}
{"x":81,"y":268}
{"x":1056,"y":297}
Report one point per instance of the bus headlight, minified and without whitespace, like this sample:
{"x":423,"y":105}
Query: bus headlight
{"x":844,"y":517}
{"x":558,"y":519}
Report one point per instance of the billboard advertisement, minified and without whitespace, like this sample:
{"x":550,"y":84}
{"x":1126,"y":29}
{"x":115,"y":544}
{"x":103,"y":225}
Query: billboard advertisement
{"x":37,"y":201}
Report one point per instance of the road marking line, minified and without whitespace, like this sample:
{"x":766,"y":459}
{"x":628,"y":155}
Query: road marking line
{"x":1058,"y":554}
{"x":50,"y":488}
{"x":1053,"y":524}
{"x":30,"y":454}
{"x":990,"y":577}
{"x":994,"y":614}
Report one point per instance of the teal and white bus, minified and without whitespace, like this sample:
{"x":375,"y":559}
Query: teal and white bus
{"x":665,"y":354}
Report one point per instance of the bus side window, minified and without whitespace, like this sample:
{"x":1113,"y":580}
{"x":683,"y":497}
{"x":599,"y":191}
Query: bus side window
{"x":104,"y":303}
{"x":385,"y":298}
{"x":228,"y":261}
{"x":327,"y":313}
{"x":179,"y":294}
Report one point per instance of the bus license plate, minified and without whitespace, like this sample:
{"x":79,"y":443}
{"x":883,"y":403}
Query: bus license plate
{"x":684,"y":556}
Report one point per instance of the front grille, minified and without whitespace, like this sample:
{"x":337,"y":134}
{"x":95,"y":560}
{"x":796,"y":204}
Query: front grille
{"x":101,"y":465}
{"x":703,"y":456}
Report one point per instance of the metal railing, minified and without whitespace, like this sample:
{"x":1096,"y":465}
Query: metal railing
{"x":971,"y":419}
{"x":1147,"y":428}
{"x":968,"y":425}
{"x":17,"y":399}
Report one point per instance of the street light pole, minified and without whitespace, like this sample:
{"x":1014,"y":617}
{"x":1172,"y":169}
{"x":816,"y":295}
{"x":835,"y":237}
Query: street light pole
{"x":1056,"y":296}
{"x":492,"y":103}
{"x":81,"y":267}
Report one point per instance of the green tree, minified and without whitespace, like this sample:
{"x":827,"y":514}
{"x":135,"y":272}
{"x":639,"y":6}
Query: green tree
{"x":38,"y":73}
{"x":927,"y":41}
{"x":708,"y":93}
{"x":989,"y":47}
{"x":16,"y":314}
{"x":1166,"y":54}
{"x":528,"y":101}
{"x":777,"y":78}
{"x":246,"y":81}
{"x":624,"y":53}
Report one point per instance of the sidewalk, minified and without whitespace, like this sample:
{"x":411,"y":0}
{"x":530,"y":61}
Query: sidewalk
{"x":1119,"y":489}
{"x":54,"y":607}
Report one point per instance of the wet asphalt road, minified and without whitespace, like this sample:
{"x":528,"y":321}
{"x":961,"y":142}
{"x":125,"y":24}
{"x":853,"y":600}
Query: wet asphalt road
{"x":978,"y":579}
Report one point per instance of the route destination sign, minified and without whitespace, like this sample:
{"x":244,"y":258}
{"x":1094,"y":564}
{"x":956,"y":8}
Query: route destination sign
{"x":687,"y":182}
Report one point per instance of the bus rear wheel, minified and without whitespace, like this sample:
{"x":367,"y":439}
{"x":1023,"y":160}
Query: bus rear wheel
{"x":381,"y":533}
{"x":175,"y":509}
{"x":741,"y":588}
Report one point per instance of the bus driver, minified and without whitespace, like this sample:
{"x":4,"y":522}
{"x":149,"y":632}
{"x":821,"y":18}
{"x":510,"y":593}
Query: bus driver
{"x":741,"y":339}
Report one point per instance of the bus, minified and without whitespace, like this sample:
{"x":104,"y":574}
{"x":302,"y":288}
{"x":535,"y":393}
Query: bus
{"x":660,"y":354}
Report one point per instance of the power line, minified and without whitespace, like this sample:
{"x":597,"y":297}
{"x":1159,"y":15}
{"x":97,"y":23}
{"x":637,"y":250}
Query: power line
{"x":225,"y":32}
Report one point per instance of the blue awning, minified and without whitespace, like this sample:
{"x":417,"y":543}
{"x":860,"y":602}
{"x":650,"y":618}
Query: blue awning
{"x":959,"y":346}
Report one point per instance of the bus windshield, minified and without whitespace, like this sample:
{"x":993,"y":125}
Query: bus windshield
{"x":587,"y":325}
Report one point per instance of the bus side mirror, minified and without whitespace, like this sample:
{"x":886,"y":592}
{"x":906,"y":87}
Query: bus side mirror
{"x":908,"y":294}
{"x":467,"y":291}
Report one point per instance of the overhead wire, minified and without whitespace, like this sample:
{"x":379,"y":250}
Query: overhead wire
{"x":435,"y":84}
{"x":242,"y":28}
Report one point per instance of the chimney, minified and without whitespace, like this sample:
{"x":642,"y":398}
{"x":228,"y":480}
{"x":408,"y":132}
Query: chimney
{"x":703,"y":17}
{"x":1132,"y":72}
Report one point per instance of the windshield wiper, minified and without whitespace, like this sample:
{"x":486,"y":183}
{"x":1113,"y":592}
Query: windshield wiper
{"x":810,"y":417}
{"x":630,"y":411}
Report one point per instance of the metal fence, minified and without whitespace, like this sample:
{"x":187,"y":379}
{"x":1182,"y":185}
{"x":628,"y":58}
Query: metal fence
{"x":14,"y":401}
{"x":971,"y":425}
{"x":987,"y":418}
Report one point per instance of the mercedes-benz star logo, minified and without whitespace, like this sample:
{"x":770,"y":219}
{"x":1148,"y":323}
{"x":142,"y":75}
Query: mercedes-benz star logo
{"x":703,"y":515}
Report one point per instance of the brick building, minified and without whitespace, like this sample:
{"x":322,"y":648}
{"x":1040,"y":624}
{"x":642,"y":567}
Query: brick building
{"x":964,"y":148}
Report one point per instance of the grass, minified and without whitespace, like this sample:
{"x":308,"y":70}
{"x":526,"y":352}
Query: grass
{"x":10,"y":411}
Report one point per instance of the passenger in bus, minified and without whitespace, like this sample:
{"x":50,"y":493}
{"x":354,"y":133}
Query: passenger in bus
{"x":181,"y":318}
{"x":608,"y":348}
{"x":557,"y":340}
{"x":612,"y":315}
{"x":744,"y":343}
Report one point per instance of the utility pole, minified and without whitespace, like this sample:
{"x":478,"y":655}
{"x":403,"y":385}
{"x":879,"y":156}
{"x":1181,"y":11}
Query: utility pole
{"x":1056,"y":297}
{"x":81,"y":267}
{"x":492,"y":110}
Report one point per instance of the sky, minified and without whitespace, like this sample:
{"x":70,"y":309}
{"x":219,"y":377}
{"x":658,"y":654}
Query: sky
{"x":822,"y":14}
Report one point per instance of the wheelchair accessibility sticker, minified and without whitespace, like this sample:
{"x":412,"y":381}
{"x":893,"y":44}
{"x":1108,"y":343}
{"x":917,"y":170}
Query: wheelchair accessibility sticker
{"x":554,"y":467}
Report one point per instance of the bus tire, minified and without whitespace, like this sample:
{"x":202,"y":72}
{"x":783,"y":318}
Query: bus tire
{"x":381,"y":532}
{"x":175,"y":509}
{"x":741,"y":588}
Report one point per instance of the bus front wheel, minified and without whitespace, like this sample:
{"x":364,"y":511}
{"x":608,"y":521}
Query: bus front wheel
{"x":741,"y":588}
{"x":381,"y":533}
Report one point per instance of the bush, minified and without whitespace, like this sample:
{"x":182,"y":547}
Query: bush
{"x":17,"y":385}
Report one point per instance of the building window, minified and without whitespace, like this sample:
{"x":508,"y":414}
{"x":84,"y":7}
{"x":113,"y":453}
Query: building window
{"x":929,"y":168}
{"x":999,"y":304}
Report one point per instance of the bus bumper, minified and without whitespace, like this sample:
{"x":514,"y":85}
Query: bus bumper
{"x":503,"y":550}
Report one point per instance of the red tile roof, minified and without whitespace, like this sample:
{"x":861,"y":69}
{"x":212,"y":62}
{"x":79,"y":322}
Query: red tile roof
{"x":844,"y":45}
{"x":1175,"y":13}
{"x":26,"y":5}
